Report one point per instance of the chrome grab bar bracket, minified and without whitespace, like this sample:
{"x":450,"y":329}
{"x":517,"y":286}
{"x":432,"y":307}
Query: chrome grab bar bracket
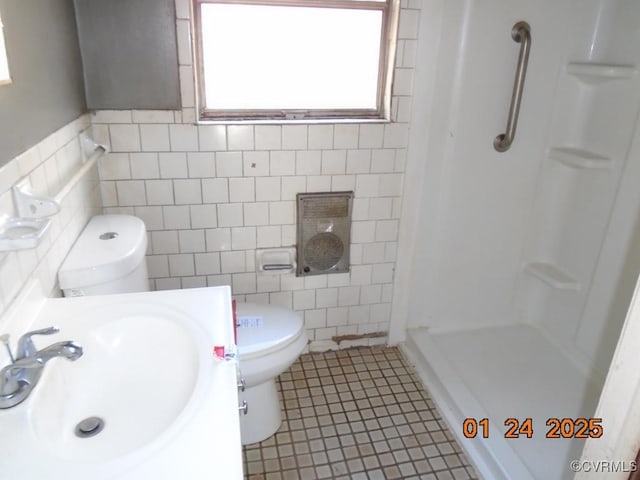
{"x":521,"y":33}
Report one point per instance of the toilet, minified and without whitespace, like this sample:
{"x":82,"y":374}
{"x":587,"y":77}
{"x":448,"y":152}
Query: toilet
{"x":109,"y":257}
{"x":270,"y":339}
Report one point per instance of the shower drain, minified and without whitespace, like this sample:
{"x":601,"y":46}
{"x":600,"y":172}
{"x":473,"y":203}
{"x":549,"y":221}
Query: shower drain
{"x":89,"y":427}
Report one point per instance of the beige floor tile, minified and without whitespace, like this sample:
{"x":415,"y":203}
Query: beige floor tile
{"x":357,"y":414}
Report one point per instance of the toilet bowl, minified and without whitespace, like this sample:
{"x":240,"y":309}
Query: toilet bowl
{"x":270,"y":339}
{"x":109,"y":257}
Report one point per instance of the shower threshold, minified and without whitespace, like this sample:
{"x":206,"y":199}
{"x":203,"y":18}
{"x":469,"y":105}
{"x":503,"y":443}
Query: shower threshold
{"x":501,"y":373}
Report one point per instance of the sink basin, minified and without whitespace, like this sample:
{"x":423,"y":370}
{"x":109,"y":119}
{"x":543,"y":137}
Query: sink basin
{"x":147,"y":373}
{"x":130,"y":379}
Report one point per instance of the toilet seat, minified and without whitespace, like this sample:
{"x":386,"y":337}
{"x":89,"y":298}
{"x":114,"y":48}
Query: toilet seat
{"x":265,"y":328}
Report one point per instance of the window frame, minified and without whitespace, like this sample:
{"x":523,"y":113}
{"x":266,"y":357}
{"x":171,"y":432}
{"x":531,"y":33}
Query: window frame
{"x":388,"y":41}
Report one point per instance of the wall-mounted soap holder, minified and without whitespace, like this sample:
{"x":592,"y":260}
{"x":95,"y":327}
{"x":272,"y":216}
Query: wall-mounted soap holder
{"x":27,"y":229}
{"x":21,"y":233}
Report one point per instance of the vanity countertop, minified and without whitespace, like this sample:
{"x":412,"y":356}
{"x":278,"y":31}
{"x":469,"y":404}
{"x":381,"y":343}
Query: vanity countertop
{"x":160,"y":343}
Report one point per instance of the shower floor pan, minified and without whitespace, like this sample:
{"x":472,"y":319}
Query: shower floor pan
{"x":500,"y":373}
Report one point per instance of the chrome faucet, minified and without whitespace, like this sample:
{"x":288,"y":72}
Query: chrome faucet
{"x":18,"y":379}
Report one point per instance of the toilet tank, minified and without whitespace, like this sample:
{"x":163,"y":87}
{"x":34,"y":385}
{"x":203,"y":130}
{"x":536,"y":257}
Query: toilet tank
{"x":108,"y":257}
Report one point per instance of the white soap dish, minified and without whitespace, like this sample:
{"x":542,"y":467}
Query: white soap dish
{"x":21,"y":233}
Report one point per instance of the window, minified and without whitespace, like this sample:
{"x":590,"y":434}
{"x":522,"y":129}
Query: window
{"x":294,"y":59}
{"x":4,"y":63}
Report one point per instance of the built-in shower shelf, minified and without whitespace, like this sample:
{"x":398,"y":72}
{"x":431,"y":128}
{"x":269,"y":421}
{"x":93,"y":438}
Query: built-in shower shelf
{"x":600,"y":72}
{"x":552,"y":275}
{"x":577,"y":158}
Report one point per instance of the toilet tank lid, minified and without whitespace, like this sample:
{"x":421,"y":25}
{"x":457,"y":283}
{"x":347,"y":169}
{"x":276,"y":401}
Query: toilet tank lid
{"x":263,"y":328}
{"x":109,"y":247}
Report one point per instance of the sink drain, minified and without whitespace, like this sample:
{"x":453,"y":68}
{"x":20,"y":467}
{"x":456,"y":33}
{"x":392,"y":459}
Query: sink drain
{"x":89,"y":427}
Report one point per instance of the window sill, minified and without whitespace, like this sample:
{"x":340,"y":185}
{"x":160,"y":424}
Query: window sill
{"x":280,"y":121}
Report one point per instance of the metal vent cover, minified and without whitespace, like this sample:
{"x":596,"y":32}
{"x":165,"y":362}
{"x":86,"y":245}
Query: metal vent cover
{"x":324,"y":232}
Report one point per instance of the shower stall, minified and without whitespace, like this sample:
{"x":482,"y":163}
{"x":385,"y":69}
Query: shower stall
{"x":521,"y":264}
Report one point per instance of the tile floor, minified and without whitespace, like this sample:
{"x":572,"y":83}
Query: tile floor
{"x":356,"y":414}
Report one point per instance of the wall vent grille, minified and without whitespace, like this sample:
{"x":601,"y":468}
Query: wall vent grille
{"x":324,"y":228}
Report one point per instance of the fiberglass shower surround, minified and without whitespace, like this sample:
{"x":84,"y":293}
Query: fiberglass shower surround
{"x":522,"y":263}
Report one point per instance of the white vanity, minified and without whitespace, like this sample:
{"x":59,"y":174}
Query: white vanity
{"x":155,"y":399}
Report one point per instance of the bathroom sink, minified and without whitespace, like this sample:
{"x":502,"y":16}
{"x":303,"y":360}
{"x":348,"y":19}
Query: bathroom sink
{"x":147,"y":381}
{"x":126,"y":378}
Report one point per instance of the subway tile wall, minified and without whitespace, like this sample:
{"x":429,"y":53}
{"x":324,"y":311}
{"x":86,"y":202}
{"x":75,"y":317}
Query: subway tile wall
{"x":48,"y":165}
{"x":210,"y":195}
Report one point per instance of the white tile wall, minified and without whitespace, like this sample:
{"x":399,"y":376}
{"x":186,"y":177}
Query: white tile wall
{"x":208,"y":211}
{"x":154,"y":138}
{"x":49,"y":165}
{"x":212,"y":137}
{"x":143,"y":165}
{"x":211,"y":194}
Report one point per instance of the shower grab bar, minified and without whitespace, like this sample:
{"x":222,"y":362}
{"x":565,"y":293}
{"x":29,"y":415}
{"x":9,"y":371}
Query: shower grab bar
{"x":521,"y":33}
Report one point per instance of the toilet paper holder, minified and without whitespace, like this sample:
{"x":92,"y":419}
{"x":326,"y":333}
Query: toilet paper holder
{"x":278,"y":266}
{"x":276,"y":260}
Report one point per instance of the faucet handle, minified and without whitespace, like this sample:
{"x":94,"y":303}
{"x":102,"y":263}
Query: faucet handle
{"x":26,"y":347}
